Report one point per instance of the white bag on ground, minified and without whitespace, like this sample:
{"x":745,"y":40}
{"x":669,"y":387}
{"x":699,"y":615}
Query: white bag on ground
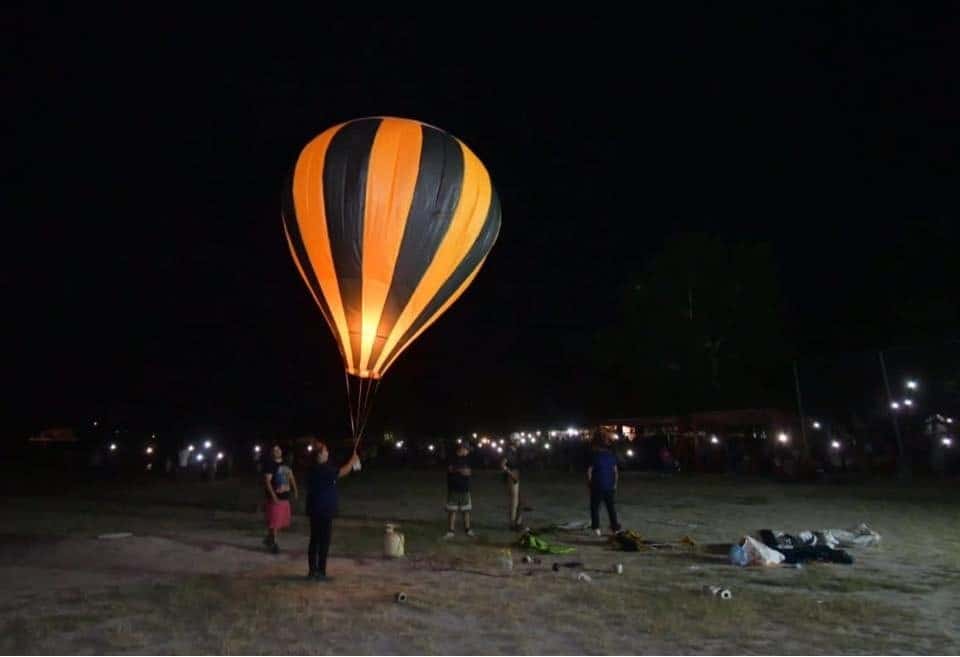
{"x":859,"y":536}
{"x":759,"y":554}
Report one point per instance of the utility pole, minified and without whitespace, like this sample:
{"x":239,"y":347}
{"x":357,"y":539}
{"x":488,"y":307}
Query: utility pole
{"x":803,"y":419}
{"x":903,"y":467}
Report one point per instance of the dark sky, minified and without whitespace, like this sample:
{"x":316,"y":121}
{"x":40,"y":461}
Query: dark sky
{"x":151,"y":281}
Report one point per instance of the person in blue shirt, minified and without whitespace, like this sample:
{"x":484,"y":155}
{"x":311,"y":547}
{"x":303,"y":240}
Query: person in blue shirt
{"x":602,"y":476}
{"x":322,"y":506}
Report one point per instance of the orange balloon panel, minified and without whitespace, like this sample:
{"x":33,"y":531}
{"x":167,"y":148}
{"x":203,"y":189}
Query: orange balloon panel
{"x":388,"y":221}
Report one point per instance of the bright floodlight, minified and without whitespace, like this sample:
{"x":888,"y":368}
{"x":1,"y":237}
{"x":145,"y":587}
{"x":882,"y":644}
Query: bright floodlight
{"x":630,"y":453}
{"x":908,"y":402}
{"x":309,"y":448}
{"x":219,"y":456}
{"x":113,"y":447}
{"x":553,"y":433}
{"x":474,"y":435}
{"x":894,"y":405}
{"x":911,"y":384}
{"x":538,"y":433}
{"x":571,"y":431}
{"x":533,"y":440}
{"x":256,"y":448}
{"x":714,"y":440}
{"x":783,"y":438}
{"x":207,"y":444}
{"x":189,"y":448}
{"x":399,"y":444}
{"x":501,"y":441}
{"x":816,"y":425}
{"x":523,"y":441}
{"x":149,"y":450}
{"x":430,"y":447}
{"x":835,"y":444}
{"x":500,"y":450}
{"x":95,"y":423}
{"x":199,"y":457}
{"x":947,"y":441}
{"x":949,"y":420}
{"x":459,"y":441}
{"x":546,"y":445}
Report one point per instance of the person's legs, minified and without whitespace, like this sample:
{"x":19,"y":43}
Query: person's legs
{"x":466,"y":521}
{"x":313,"y":550}
{"x":271,"y":538}
{"x":452,"y":521}
{"x":610,"y":502}
{"x":326,"y":533}
{"x":514,"y":505}
{"x":595,"y":498}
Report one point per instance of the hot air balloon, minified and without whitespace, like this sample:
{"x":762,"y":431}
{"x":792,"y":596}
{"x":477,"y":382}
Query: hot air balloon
{"x":388,"y":221}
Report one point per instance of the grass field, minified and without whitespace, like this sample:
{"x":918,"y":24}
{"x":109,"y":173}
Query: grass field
{"x":194,"y":578}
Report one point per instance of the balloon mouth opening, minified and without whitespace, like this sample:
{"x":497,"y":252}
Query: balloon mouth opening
{"x":363,"y":374}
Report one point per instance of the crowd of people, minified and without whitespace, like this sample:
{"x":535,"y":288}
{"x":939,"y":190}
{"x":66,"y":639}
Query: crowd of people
{"x":322,"y":500}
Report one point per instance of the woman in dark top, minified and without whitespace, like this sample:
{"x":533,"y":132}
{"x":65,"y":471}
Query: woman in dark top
{"x":322,"y":505}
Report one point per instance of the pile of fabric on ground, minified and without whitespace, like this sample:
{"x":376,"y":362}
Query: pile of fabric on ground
{"x":630,"y":540}
{"x":824,"y":545}
{"x":530,"y":541}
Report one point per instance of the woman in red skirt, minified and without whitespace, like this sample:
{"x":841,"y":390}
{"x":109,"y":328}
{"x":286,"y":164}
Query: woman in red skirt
{"x":279,"y":482}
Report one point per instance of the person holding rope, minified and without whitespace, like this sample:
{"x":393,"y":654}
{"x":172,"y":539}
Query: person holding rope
{"x":323,"y":506}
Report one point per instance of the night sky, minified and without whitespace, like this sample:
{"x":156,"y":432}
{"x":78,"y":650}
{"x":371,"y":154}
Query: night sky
{"x":150,"y":278}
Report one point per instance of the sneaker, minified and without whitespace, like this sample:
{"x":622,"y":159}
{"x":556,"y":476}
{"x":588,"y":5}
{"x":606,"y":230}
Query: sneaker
{"x":597,"y":532}
{"x":448,"y":536}
{"x":471,"y":534}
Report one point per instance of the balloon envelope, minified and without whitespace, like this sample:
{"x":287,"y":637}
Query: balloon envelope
{"x":388,"y":221}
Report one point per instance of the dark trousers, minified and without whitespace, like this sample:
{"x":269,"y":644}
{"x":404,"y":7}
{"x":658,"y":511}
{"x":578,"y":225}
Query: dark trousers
{"x":606,"y":496}
{"x":320,"y":529}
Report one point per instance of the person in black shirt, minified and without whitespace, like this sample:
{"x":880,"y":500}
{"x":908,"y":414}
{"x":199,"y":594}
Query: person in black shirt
{"x":278,"y":482}
{"x":458,"y":491}
{"x":322,"y":506}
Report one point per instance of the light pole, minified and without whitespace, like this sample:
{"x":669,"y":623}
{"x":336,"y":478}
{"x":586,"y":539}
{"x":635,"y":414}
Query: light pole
{"x":903,"y":467}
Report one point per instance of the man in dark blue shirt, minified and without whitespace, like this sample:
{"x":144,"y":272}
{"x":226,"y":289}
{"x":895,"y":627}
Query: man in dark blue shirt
{"x":458,"y":491}
{"x":602,"y":476}
{"x":322,"y":506}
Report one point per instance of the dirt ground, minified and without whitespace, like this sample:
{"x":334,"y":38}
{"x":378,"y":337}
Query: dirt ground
{"x":194,"y":578}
